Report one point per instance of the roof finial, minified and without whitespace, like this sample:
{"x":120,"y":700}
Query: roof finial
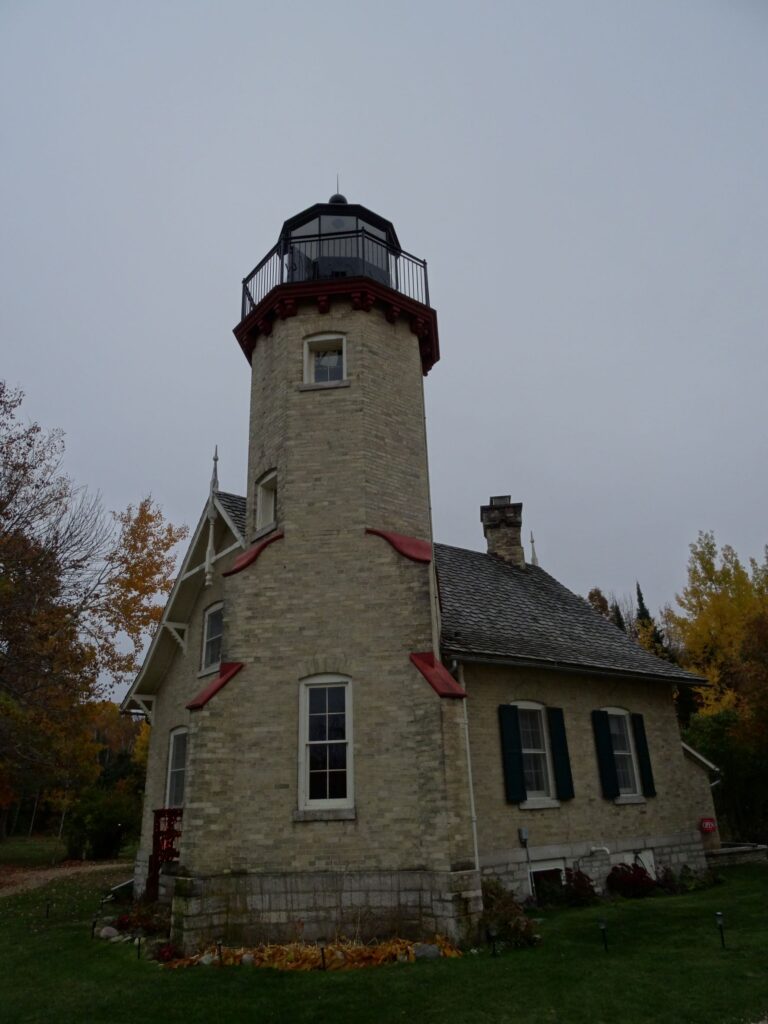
{"x":534,"y":558}
{"x":337,"y":182}
{"x":215,"y":473}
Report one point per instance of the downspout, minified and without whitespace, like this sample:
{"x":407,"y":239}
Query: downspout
{"x":472,"y":808}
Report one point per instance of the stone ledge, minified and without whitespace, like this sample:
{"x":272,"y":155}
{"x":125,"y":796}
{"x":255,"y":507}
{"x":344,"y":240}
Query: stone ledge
{"x":335,"y":814}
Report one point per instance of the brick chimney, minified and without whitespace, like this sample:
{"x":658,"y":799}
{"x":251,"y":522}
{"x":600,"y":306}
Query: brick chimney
{"x":502,"y":522}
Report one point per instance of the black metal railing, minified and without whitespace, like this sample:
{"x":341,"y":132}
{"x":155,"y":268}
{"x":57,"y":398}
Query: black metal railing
{"x":329,"y":257}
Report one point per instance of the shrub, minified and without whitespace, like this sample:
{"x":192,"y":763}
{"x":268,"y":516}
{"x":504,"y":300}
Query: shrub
{"x":579,"y":889}
{"x":145,"y":919}
{"x":504,"y":915}
{"x":687,"y":880}
{"x":100,"y":822}
{"x":631,"y":881}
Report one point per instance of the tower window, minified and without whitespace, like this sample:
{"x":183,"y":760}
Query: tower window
{"x":325,"y":359}
{"x":213,"y":633}
{"x":325,"y":756}
{"x":266,"y":500}
{"x":177,"y":768}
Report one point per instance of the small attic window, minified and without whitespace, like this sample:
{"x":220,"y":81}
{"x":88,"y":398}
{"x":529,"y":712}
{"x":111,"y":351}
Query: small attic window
{"x":266,"y":500}
{"x":325,"y":359}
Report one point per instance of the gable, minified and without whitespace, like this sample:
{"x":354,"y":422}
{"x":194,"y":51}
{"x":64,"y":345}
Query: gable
{"x":225,"y":528}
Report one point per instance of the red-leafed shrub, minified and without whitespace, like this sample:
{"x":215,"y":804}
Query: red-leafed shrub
{"x":631,"y":881}
{"x":579,"y":889}
{"x":167,"y":952}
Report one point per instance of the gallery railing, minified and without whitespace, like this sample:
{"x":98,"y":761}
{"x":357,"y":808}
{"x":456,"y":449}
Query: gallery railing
{"x":329,"y":257}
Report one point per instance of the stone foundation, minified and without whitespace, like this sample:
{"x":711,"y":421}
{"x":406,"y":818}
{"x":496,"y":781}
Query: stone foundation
{"x":597,"y":858}
{"x":248,"y":909}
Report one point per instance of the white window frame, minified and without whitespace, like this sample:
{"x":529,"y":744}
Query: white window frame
{"x":266,"y":501}
{"x":181,"y":730}
{"x":206,"y":668}
{"x":322,"y":343}
{"x":305,"y":686}
{"x":538,"y":800}
{"x":635,"y":794}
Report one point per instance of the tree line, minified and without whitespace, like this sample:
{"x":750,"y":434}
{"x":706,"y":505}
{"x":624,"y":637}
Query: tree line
{"x":718,"y":630}
{"x":80,"y":595}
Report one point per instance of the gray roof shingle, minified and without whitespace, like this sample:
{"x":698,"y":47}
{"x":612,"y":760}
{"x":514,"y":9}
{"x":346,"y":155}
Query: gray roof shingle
{"x":495,"y":610}
{"x":234,"y":505}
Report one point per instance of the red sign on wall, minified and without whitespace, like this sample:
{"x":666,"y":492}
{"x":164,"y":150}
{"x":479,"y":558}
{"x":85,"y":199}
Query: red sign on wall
{"x":707,"y":825}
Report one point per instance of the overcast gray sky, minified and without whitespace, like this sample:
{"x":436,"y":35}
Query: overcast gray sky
{"x":586,"y":179}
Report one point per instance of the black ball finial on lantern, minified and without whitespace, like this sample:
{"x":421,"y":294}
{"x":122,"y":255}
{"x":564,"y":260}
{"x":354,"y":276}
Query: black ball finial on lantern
{"x":337,"y":199}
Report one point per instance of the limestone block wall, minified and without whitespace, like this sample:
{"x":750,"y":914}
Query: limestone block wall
{"x":285,"y":906}
{"x":666,"y":823}
{"x":180,"y":684}
{"x":358,"y":609}
{"x":353,"y":455}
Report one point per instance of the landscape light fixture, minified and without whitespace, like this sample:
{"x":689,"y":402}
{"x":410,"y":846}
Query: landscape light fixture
{"x":602,"y":924}
{"x":493,"y":934}
{"x":720,"y":926}
{"x":218,"y":951}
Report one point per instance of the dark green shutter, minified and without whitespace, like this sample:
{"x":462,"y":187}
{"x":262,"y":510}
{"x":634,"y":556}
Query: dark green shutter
{"x":561,"y":762}
{"x":511,"y":754}
{"x":606,"y":764}
{"x":643,"y":757}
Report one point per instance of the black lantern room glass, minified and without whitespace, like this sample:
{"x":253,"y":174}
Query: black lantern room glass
{"x":338,"y":239}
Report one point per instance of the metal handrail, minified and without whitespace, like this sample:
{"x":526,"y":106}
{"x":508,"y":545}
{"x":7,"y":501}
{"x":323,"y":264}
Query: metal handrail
{"x":330,"y":256}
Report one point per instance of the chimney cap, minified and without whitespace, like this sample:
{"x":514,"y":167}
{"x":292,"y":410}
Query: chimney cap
{"x":501,"y":499}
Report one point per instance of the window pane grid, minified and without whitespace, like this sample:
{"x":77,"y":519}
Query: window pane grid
{"x":328,"y":365}
{"x":622,"y":754}
{"x":534,"y":751}
{"x":214,"y":631}
{"x":326,"y":743}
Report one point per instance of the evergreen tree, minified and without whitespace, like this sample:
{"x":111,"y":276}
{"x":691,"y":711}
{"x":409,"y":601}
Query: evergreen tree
{"x":616,"y":617}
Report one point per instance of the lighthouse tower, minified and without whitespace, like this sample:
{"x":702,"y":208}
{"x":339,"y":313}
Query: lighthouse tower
{"x":325,"y":766}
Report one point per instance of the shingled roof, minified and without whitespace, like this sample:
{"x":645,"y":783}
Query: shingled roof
{"x":234,"y":506}
{"x":495,"y":611}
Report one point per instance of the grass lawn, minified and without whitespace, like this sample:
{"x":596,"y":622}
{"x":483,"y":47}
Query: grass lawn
{"x":36,"y":852}
{"x":664,"y":965}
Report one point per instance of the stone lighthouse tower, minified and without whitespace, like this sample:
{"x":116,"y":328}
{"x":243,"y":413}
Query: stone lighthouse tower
{"x":324,"y":762}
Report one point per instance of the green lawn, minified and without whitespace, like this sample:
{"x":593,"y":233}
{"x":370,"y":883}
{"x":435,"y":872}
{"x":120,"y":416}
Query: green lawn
{"x":37,"y":852}
{"x":664,"y":965}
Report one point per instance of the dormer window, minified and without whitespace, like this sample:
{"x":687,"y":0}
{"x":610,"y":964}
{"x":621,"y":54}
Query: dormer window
{"x":213,"y":633}
{"x":325,"y":359}
{"x":266,"y":501}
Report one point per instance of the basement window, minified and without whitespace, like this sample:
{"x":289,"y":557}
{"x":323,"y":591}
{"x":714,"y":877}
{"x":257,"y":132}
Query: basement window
{"x":325,"y":359}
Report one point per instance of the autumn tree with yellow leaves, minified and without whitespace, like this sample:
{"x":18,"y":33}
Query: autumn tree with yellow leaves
{"x":79,"y":597}
{"x":721,"y":630}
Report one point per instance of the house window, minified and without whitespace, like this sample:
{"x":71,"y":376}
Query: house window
{"x":326,"y":743}
{"x":177,"y":768}
{"x":623,"y":752}
{"x":325,"y":359}
{"x":623,"y":760}
{"x":534,"y":750}
{"x":213,"y":631}
{"x":266,"y":500}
